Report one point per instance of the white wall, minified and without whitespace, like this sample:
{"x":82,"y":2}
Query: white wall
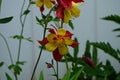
{"x":88,"y":26}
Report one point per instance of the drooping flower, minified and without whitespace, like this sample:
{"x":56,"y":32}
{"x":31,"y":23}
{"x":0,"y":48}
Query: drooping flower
{"x":49,"y":65}
{"x":65,"y":3}
{"x":47,"y":3}
{"x":57,"y":42}
{"x":89,"y":61}
{"x":67,"y":9}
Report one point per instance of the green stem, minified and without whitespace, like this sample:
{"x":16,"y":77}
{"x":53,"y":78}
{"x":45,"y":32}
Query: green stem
{"x":57,"y":71}
{"x":36,"y":63}
{"x":16,"y":78}
{"x":45,"y":28}
{"x":11,"y":59}
{"x":66,"y":62}
{"x":22,"y":24}
{"x":61,"y":24}
{"x":54,"y":70}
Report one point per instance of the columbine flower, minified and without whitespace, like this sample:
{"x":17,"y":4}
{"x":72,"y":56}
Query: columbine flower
{"x":47,"y":3}
{"x":57,"y":42}
{"x":68,"y":9}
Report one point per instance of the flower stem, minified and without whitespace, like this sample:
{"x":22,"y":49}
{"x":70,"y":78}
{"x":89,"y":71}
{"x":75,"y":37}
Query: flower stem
{"x":54,"y":70}
{"x":66,"y":62}
{"x":36,"y":63}
{"x":16,"y":78}
{"x":22,"y":24}
{"x":11,"y":59}
{"x":61,"y":24}
{"x":45,"y":28}
{"x":57,"y":71}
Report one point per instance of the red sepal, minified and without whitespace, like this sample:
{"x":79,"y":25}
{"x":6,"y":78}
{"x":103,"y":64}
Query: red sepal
{"x":56,"y":55}
{"x":76,"y":1}
{"x":74,"y":44}
{"x":52,"y":31}
{"x":45,"y":41}
{"x":42,"y":8}
{"x":68,"y":34}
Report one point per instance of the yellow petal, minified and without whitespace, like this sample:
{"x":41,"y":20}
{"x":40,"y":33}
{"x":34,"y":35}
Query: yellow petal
{"x":74,"y":4}
{"x":75,"y":11}
{"x":68,"y":41}
{"x":67,"y":15}
{"x":39,"y":3}
{"x":61,"y":31}
{"x":48,"y":3}
{"x":50,"y":47}
{"x":63,"y":50}
{"x":50,"y":37}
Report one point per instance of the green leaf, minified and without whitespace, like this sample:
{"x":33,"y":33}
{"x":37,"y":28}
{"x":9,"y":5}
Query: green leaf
{"x":118,"y":77}
{"x":41,"y":77}
{"x":5,"y":20}
{"x":67,"y":75}
{"x":75,"y":76}
{"x":17,"y":37}
{"x":40,"y":21}
{"x":76,"y":50}
{"x":26,"y":12}
{"x":32,"y":2}
{"x":55,"y":75}
{"x":17,"y":69}
{"x":114,"y":18}
{"x":29,"y":39}
{"x":117,"y":29}
{"x":21,"y":37}
{"x":71,"y":24}
{"x":55,"y":19}
{"x":20,"y":62}
{"x":109,"y":70}
{"x":11,"y":66}
{"x":94,"y":55}
{"x":87,"y":49}
{"x":1,"y":64}
{"x":8,"y":77}
{"x":118,"y":35}
{"x":50,"y":18}
{"x":107,"y":48}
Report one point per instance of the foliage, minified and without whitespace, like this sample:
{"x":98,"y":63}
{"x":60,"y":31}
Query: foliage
{"x":5,"y":20}
{"x":41,"y":77}
{"x":116,"y":19}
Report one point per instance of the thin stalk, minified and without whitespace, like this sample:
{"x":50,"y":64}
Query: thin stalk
{"x":57,"y":71}
{"x":10,"y":55}
{"x":61,"y":24}
{"x":45,"y":28}
{"x":36,"y":63}
{"x":16,"y":78}
{"x":22,"y":24}
{"x":54,"y":70}
{"x":66,"y":62}
{"x":56,"y":22}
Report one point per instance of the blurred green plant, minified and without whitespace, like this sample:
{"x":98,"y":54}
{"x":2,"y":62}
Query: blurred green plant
{"x":116,"y":19}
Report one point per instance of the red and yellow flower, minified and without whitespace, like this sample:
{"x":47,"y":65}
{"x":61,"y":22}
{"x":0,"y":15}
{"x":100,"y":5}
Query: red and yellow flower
{"x":47,"y":3}
{"x":57,"y":42}
{"x":67,"y":9}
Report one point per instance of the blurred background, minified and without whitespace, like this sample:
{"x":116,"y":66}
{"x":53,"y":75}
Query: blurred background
{"x":89,"y":26}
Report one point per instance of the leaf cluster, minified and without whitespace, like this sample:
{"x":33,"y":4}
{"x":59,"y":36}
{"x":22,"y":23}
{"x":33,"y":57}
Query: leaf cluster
{"x":100,"y":71}
{"x":114,"y":18}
